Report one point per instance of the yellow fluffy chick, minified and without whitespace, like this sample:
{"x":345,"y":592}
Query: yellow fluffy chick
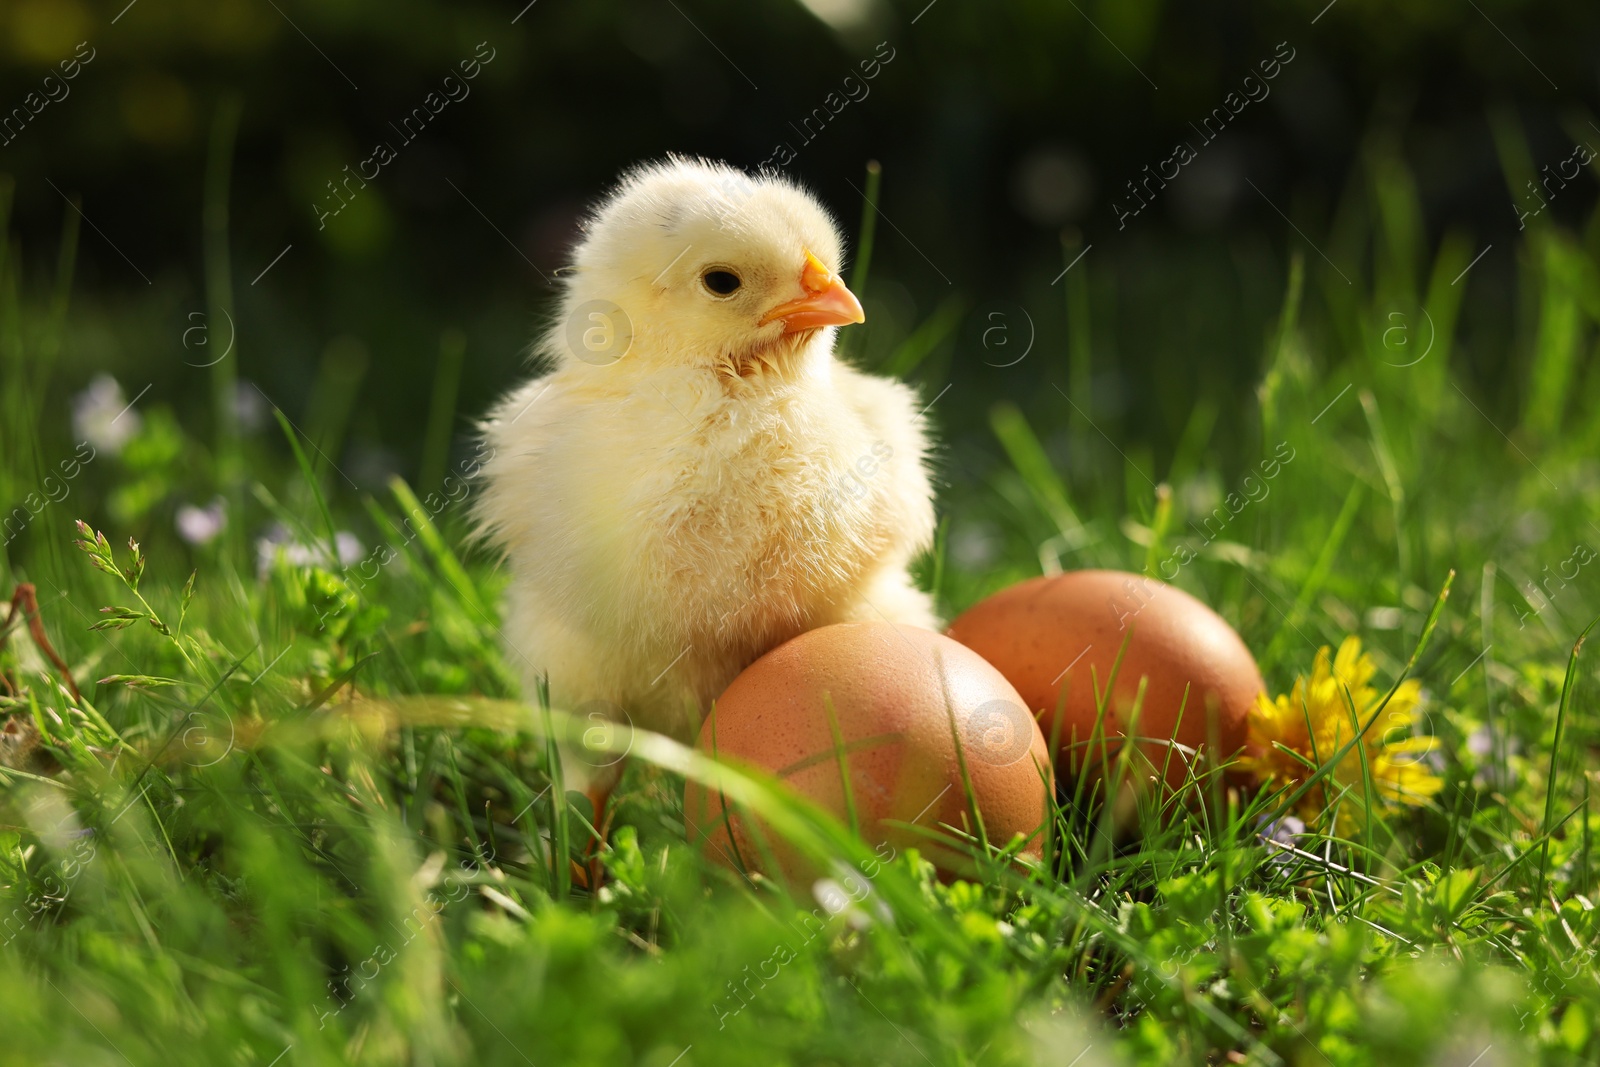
{"x":698,"y":477}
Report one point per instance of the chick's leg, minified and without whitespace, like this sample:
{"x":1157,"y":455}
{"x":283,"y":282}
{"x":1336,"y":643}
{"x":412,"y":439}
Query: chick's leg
{"x":576,"y":670}
{"x":598,"y":787}
{"x":596,"y":783}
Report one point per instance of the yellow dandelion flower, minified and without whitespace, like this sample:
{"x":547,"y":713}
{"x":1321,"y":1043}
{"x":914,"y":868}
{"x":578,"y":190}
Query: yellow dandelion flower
{"x":1296,"y":734}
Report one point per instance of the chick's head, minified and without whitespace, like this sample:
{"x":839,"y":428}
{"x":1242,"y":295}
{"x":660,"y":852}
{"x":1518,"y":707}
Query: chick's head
{"x":690,"y":263}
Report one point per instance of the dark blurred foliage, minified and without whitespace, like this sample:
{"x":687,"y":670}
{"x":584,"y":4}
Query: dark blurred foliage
{"x":997,"y":125}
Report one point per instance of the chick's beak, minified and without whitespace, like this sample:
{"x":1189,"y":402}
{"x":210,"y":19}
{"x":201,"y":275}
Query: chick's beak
{"x":827,"y":301}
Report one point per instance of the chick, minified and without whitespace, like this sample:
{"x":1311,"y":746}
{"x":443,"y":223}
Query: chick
{"x":697,"y":477}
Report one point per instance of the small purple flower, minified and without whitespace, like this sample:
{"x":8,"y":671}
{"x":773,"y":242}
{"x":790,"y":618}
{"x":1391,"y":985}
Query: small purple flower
{"x":1492,"y":749}
{"x":1285,"y":833}
{"x":200,"y":526}
{"x":102,"y":416}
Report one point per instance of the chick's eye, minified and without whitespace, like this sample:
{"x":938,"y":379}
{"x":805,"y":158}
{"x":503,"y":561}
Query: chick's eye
{"x":721,"y":282}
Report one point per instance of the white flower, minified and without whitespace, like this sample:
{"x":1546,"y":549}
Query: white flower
{"x":249,"y":408}
{"x":299,"y":554}
{"x":831,"y":895}
{"x":102,"y":416}
{"x":350,"y":549}
{"x":846,"y":894}
{"x":200,"y":526}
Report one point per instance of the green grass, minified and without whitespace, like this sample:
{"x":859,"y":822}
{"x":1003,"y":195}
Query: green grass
{"x":311,"y":824}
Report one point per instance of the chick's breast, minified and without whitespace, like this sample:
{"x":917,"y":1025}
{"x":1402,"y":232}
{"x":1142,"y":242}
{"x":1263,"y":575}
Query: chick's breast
{"x":682,"y":530}
{"x":747,"y":519}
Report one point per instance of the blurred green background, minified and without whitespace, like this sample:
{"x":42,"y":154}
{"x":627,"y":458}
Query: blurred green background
{"x":998,"y":126}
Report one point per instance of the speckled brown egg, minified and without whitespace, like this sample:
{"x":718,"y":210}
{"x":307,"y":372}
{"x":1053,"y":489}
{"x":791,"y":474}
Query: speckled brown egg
{"x":1057,"y":638}
{"x":893,"y":691}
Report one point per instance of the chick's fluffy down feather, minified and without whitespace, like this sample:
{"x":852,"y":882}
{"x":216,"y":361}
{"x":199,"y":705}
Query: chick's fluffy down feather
{"x":670,"y":515}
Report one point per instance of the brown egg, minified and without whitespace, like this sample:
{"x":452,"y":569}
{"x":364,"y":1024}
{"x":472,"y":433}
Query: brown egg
{"x":893,"y":690}
{"x":1063,"y":633}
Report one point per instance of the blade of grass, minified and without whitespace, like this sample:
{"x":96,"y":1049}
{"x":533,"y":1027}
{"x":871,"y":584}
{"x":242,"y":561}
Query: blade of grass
{"x":560,"y":843}
{"x":1080,"y":352}
{"x":941,"y":545}
{"x":1319,"y":572}
{"x":333,"y":398}
{"x":843,"y":760}
{"x":1391,"y":481}
{"x":310,"y":476}
{"x":969,"y":793}
{"x":442,"y":407}
{"x":1105,"y":835}
{"x":928,"y":335}
{"x":1160,"y":523}
{"x":218,"y":269}
{"x":1277,"y":370}
{"x":869,"y":230}
{"x":449,"y":566}
{"x":1028,"y":456}
{"x":1560,"y":334}
{"x":1555,"y":753}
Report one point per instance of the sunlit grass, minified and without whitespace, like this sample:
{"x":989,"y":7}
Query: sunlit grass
{"x":312,"y":823}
